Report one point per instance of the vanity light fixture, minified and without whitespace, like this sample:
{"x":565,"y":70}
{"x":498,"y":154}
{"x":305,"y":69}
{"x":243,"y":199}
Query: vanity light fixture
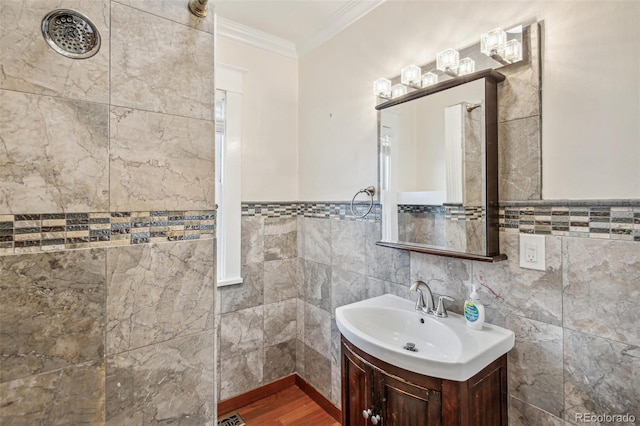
{"x":467,"y":66}
{"x":411,"y":76}
{"x":429,"y":79}
{"x":495,"y":45}
{"x":398,"y":90}
{"x":504,"y":47}
{"x":382,"y":88}
{"x":448,"y":62}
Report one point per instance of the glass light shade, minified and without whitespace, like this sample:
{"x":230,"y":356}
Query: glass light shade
{"x":382,"y":88}
{"x":448,"y":60}
{"x":493,"y":42}
{"x":398,"y":90}
{"x":410,"y":75}
{"x":467,"y":66}
{"x":512,"y":51}
{"x":429,"y":78}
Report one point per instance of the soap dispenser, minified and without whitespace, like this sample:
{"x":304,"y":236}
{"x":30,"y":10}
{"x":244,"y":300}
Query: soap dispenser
{"x":474,"y":310}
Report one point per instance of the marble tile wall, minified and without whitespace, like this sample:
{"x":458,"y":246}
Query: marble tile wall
{"x":298,"y":265}
{"x":107,"y":228}
{"x":258,"y":318}
{"x":575,"y":324}
{"x":261,"y":339}
{"x":519,"y":151}
{"x":340,"y":264}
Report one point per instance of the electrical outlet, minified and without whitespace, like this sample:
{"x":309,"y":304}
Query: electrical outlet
{"x":532,"y":251}
{"x":531,"y":254}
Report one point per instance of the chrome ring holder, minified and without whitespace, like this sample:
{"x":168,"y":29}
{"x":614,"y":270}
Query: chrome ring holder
{"x":370,"y":191}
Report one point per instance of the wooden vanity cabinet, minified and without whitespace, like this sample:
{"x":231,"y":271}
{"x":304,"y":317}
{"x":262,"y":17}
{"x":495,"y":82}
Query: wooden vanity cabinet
{"x":404,"y":398}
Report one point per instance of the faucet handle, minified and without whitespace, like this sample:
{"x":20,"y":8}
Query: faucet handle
{"x":441,"y":311}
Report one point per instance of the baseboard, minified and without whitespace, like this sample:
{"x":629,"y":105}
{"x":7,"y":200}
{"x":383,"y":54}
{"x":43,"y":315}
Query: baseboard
{"x":239,"y":401}
{"x":319,"y":398}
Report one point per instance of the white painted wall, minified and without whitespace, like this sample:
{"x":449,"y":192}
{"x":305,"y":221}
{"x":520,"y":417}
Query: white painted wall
{"x":269,"y":121}
{"x":591,"y":109}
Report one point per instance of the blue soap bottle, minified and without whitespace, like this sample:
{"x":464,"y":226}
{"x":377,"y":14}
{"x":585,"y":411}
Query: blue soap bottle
{"x":474,"y":310}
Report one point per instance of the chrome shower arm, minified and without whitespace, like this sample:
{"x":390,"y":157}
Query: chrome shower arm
{"x":199,"y":7}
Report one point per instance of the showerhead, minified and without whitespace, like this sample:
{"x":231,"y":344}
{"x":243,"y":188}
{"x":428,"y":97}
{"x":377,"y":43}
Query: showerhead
{"x":71,"y":34}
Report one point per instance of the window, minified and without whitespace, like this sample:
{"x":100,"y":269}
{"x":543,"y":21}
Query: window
{"x":228,"y":189}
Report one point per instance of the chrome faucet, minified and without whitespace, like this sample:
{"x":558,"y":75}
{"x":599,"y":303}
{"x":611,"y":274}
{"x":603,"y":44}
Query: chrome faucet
{"x":423,"y":290}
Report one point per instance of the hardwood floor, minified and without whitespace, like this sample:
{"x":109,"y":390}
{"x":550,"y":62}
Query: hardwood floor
{"x":289,"y":407}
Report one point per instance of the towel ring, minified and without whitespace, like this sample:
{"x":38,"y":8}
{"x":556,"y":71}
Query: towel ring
{"x":370,"y":191}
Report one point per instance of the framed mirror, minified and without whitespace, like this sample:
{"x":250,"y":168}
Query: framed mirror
{"x":438,"y":168}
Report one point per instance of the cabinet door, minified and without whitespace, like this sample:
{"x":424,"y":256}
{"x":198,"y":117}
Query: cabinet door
{"x":404,"y":404}
{"x":357,"y":389}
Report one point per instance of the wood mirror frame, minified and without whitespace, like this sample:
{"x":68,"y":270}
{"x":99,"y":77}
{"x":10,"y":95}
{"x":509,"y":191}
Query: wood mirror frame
{"x":492,"y":246}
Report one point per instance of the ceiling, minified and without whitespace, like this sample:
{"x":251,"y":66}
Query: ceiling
{"x":298,"y":26}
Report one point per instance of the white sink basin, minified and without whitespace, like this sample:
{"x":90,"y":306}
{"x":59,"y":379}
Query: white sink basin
{"x":447,"y":348}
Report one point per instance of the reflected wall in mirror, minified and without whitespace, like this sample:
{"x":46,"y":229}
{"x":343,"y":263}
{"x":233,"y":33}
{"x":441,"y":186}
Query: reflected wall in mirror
{"x":438,"y":168}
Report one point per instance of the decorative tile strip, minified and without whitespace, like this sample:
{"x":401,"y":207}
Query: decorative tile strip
{"x":608,"y":219}
{"x":270,"y":209}
{"x":453,"y":212}
{"x":31,"y":233}
{"x":462,"y":213}
{"x":419,"y":208}
{"x":340,"y":210}
{"x":598,"y":221}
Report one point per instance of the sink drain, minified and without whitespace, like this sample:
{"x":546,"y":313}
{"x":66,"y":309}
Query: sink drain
{"x":410,"y":347}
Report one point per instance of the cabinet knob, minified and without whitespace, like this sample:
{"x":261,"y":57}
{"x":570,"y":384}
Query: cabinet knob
{"x":366,"y":413}
{"x":376,"y":419}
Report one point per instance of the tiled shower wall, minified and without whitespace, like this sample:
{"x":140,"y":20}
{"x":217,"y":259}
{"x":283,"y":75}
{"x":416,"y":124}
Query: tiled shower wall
{"x":107,"y":249}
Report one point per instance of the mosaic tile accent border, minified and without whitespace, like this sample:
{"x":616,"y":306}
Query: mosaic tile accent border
{"x":339,"y":210}
{"x":450,"y":212}
{"x":270,"y":209}
{"x":30,"y":233}
{"x":604,"y":219}
{"x":604,"y":222}
{"x":420,"y":208}
{"x":460,"y":212}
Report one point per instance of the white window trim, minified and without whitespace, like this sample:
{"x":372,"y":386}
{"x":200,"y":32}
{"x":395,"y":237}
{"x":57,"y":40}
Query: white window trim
{"x":228,"y":193}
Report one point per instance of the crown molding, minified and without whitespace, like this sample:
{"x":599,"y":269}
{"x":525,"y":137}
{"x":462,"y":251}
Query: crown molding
{"x":244,"y":34}
{"x":336,"y":22}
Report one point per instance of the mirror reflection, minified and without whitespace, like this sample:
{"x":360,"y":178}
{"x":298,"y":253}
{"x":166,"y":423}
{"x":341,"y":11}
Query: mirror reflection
{"x":432,"y":170}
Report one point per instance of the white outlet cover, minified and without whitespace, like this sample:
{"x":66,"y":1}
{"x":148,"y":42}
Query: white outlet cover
{"x":532,"y":246}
